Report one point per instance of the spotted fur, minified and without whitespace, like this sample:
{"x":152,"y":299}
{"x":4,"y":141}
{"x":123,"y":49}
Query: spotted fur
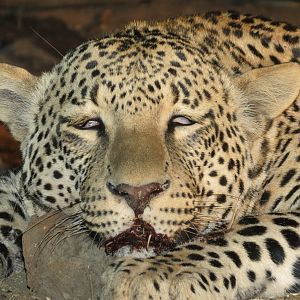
{"x":191,"y":125}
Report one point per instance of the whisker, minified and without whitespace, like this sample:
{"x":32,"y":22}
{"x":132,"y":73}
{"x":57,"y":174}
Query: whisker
{"x":235,"y":206}
{"x":53,"y":213}
{"x":47,"y":42}
{"x":58,"y":232}
{"x":216,"y":194}
{"x":41,"y":221}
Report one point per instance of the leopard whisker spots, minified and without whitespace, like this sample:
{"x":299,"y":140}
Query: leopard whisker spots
{"x":205,"y":224}
{"x":201,"y":217}
{"x":216,"y":207}
{"x":232,"y":210}
{"x":222,"y":197}
{"x":216,"y":194}
{"x":202,"y":225}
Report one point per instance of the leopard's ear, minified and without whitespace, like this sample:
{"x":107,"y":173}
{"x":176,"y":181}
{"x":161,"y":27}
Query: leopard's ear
{"x":16,"y":88}
{"x":266,"y":93}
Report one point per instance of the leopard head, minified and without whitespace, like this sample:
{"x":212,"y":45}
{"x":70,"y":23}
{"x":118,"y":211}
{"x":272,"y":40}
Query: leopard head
{"x":142,"y":130}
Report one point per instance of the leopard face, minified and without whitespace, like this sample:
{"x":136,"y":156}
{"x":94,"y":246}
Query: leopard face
{"x":137,"y":128}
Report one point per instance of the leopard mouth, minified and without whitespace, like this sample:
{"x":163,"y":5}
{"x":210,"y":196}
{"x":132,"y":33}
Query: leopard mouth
{"x":141,"y":235}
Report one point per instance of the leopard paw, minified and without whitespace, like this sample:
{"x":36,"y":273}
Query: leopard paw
{"x":145,"y":279}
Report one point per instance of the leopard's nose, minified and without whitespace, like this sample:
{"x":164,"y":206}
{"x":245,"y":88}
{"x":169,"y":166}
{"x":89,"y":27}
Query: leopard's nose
{"x":138,"y":197}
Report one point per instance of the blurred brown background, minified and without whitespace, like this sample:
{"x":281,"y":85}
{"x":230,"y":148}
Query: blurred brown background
{"x":66,"y":23}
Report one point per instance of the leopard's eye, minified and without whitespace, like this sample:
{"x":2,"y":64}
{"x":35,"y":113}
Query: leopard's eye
{"x":92,"y":124}
{"x":180,"y":121}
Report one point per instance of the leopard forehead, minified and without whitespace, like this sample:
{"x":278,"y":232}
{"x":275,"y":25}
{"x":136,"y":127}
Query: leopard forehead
{"x":134,"y":71}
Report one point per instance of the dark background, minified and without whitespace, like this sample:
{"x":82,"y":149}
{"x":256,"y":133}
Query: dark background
{"x":66,"y":23}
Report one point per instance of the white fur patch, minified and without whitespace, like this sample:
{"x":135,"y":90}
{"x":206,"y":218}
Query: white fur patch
{"x":128,"y":251}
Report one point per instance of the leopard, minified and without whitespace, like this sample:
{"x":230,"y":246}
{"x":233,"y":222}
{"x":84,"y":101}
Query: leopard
{"x":182,"y":134}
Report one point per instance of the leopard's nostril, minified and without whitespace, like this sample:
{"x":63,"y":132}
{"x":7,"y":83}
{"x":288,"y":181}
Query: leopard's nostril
{"x":166,"y":185}
{"x":115,"y":190}
{"x":111,"y":187}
